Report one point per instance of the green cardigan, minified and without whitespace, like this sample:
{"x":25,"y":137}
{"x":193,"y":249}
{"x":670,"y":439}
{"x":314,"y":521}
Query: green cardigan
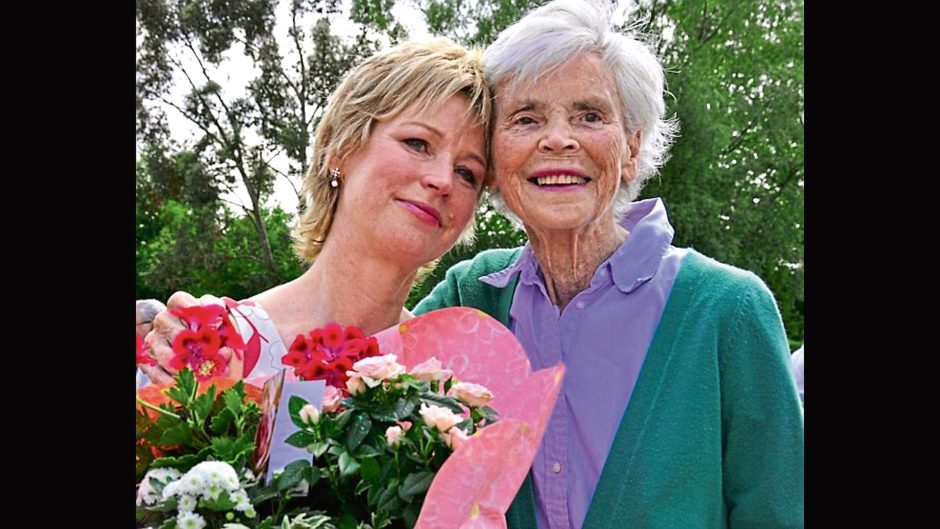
{"x":712,"y":436}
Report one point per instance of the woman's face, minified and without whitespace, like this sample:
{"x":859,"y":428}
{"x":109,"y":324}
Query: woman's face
{"x":410,"y":191}
{"x":560,"y":148}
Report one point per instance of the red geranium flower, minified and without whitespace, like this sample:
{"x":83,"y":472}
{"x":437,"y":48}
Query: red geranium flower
{"x":210,"y":329}
{"x":328,"y":352}
{"x":142,"y":357}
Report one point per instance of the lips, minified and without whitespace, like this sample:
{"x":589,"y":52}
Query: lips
{"x":424,"y":212}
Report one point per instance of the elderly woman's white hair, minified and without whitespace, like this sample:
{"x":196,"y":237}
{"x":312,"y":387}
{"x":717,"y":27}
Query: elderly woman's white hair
{"x":147,"y":309}
{"x":550,"y":35}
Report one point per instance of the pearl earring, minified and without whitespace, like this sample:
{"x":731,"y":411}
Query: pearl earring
{"x":334,"y":174}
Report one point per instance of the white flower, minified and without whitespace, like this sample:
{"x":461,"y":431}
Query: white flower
{"x":375,"y":369}
{"x":146,"y":493}
{"x":190,"y":520}
{"x":309,"y":414}
{"x":392,"y":435}
{"x":430,"y":369}
{"x":186,"y":503}
{"x":240,"y":499}
{"x":354,"y":385}
{"x":217,"y":472}
{"x":441,"y":418}
{"x":454,"y":438}
{"x":212,"y":491}
{"x":234,"y":526}
{"x":331,"y":399}
{"x":473,"y":395}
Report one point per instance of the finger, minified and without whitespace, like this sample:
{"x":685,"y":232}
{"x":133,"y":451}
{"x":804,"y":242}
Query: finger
{"x":181,"y":299}
{"x":236,"y":362}
{"x":156,"y":374}
{"x":209,"y":299}
{"x":161,"y":349}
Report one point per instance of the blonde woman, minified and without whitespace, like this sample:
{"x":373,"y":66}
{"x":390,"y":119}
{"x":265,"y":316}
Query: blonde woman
{"x":398,"y":166}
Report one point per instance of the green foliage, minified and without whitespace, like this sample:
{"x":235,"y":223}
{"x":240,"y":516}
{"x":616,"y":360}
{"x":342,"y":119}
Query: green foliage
{"x":733,"y":186}
{"x":355,"y":466}
{"x":492,"y":230}
{"x":195,"y":428}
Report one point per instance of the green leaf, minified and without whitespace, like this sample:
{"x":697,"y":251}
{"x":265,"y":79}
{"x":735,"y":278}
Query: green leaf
{"x":317,"y":448}
{"x":358,"y":431}
{"x":388,"y":500}
{"x":348,"y":522}
{"x":293,"y":474}
{"x":416,"y":483}
{"x":370,"y":470}
{"x":233,"y":400}
{"x":202,"y":406}
{"x":221,"y":503}
{"x":177,"y":435}
{"x":232,"y":451}
{"x":347,"y":464}
{"x":312,"y":475}
{"x":294,"y":405}
{"x":489,"y":414}
{"x":184,"y":388}
{"x":446,"y":402}
{"x":342,"y":419}
{"x":221,"y":422}
{"x":367,"y":450}
{"x":300,"y":439}
{"x":410,"y":515}
{"x":404,"y":408}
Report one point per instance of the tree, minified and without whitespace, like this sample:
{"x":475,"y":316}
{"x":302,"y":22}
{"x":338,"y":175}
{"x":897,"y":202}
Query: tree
{"x":241,"y":134}
{"x":734,"y":183}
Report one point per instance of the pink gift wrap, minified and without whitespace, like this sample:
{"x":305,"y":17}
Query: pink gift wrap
{"x":478,"y":482}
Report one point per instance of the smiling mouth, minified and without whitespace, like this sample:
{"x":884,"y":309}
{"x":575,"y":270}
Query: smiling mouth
{"x":423,"y":212}
{"x":559,"y":180}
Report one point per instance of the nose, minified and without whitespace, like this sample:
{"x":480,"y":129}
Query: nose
{"x":557,"y":138}
{"x":439,"y":176}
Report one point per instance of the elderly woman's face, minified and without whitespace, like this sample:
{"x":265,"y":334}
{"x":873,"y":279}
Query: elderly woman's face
{"x":560,"y":150}
{"x":410,"y":191}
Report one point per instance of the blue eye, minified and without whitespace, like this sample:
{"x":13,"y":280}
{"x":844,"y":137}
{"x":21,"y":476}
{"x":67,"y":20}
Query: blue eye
{"x":467,"y":175}
{"x":417,"y":144}
{"x":524,"y":120}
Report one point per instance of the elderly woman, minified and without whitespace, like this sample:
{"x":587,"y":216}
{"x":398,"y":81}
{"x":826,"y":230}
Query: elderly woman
{"x":147,"y":310}
{"x":678,"y":408}
{"x":398,"y":166}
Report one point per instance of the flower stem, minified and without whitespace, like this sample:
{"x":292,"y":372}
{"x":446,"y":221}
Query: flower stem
{"x":156,"y":408}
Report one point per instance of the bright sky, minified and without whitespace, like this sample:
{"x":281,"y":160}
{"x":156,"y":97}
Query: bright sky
{"x":237,"y":70}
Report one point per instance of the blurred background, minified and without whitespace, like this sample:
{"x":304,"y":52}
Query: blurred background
{"x":229,"y":94}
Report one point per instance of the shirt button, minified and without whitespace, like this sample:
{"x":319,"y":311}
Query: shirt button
{"x":556,"y":468}
{"x":604,"y":273}
{"x":579,"y":304}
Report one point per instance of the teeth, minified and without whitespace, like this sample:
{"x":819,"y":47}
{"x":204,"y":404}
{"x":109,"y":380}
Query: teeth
{"x":560,"y":179}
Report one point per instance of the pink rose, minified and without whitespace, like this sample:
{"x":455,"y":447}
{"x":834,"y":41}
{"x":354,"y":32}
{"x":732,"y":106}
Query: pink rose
{"x":354,"y":385}
{"x":430,"y":369}
{"x":375,"y":369}
{"x":331,"y":399}
{"x":454,"y":438}
{"x":473,"y":395}
{"x":405,"y":425}
{"x":392,"y":435}
{"x":441,"y":418}
{"x":309,"y":414}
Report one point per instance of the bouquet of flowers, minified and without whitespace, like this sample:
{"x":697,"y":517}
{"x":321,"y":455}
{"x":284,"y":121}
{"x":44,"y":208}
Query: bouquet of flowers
{"x":402,"y":437}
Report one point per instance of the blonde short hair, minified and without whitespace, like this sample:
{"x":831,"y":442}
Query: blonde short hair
{"x":425,"y":73}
